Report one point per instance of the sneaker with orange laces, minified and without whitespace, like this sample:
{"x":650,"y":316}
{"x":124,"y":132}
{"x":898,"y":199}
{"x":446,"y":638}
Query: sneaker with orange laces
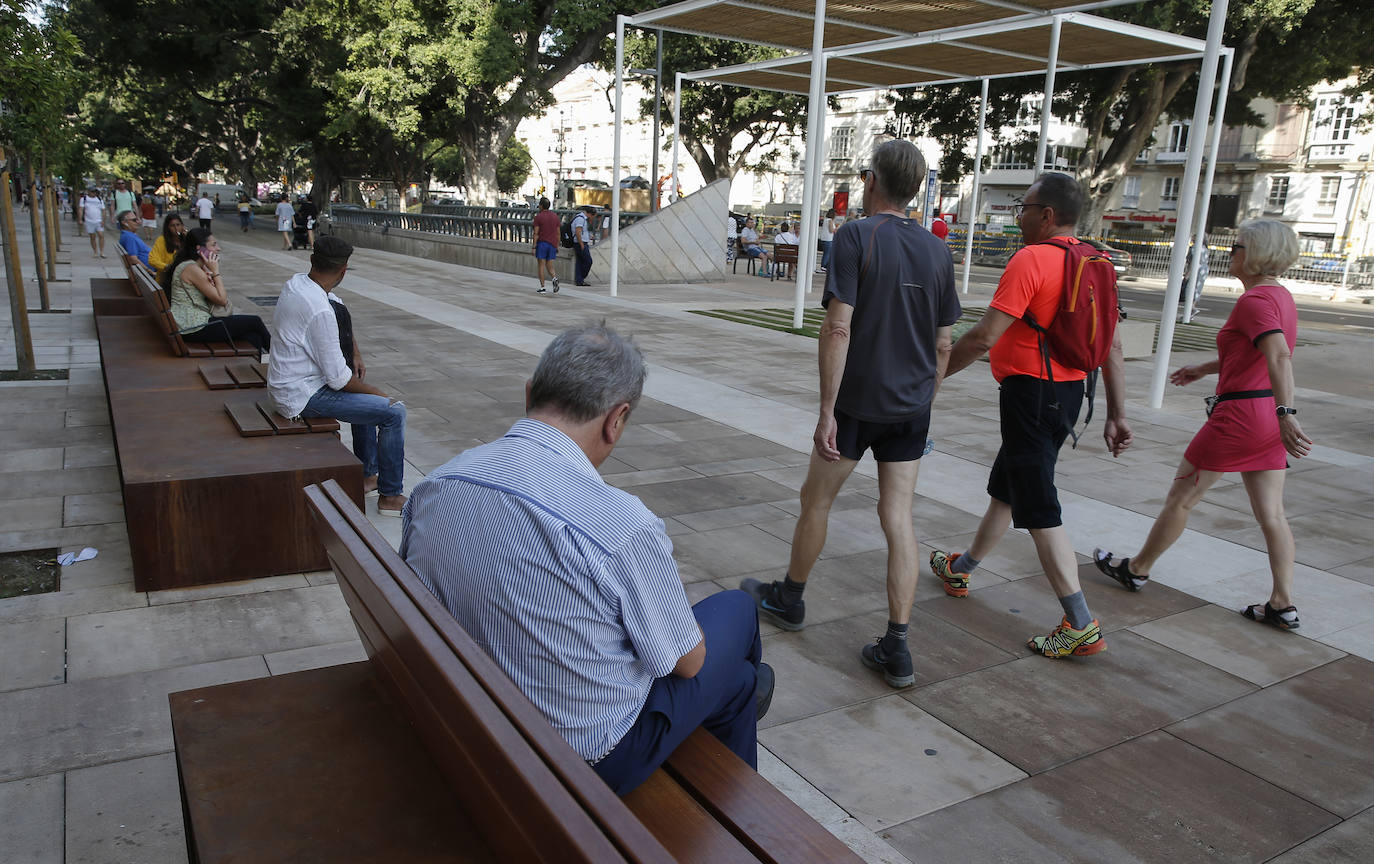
{"x":1065,"y":641}
{"x":955,"y":584}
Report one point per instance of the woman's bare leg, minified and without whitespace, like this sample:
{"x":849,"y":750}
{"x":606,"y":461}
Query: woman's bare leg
{"x":1188,"y":487}
{"x":1266,"y":500}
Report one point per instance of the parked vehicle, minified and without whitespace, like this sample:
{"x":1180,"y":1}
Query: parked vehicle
{"x":1120,"y":258}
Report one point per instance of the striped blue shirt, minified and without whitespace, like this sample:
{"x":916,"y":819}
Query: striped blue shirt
{"x":568,"y":583}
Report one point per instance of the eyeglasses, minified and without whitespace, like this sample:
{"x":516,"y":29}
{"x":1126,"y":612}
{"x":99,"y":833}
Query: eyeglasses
{"x":863,"y":174}
{"x":1235,"y":246}
{"x":1018,"y":209}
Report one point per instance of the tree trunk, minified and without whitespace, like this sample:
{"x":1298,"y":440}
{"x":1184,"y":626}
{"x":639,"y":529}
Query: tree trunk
{"x":19,"y":312}
{"x":45,"y":302}
{"x":710,"y":173}
{"x":327,"y":179}
{"x":481,"y":151}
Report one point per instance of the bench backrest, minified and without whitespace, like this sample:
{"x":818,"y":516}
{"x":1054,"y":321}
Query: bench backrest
{"x":785,"y":253}
{"x":535,"y":799}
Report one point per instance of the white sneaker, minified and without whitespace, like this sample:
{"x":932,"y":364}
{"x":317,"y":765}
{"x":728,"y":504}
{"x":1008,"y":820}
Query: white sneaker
{"x":541,"y":290}
{"x":555,"y":284}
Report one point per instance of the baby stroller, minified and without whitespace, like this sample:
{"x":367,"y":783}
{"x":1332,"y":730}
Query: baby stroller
{"x":300,"y":227}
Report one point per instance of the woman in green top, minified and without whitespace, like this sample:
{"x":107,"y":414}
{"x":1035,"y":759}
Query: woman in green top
{"x":195,"y":290}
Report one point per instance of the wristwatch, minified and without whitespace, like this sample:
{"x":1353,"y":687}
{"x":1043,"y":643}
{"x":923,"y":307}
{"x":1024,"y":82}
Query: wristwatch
{"x":1284,"y":409}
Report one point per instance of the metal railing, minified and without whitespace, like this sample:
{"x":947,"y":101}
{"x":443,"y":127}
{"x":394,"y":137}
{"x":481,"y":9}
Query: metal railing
{"x":505,"y":224}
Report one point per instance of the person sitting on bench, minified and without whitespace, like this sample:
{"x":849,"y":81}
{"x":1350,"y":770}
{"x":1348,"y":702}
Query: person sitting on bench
{"x":309,"y":375}
{"x":570,"y":584}
{"x":196,"y":293}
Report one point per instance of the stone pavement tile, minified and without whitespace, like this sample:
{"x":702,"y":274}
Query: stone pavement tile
{"x":88,"y":456}
{"x":1154,"y":799}
{"x":886,"y":761}
{"x":116,"y":643}
{"x":1326,"y":602}
{"x":72,"y":481}
{"x":227,"y":589}
{"x":31,"y":823}
{"x":1362,"y":571}
{"x":32,"y":654}
{"x":1327,"y":539}
{"x":726,"y":553}
{"x":94,"y":509}
{"x":708,"y":493}
{"x":672,"y":453}
{"x":794,"y":476}
{"x":315,"y":657}
{"x":63,"y":437}
{"x":847,"y":500}
{"x":1129,"y":483}
{"x":88,"y":417}
{"x":1221,"y":638}
{"x":1309,"y":734}
{"x":864,"y":842}
{"x":321,"y":577}
{"x":849,"y":532}
{"x":1014,"y":557}
{"x":29,"y":420}
{"x":737,"y":466}
{"x":1357,"y":640}
{"x":1351,"y":842}
{"x":62,"y":604}
{"x":83,"y":723}
{"x":1206,"y":517}
{"x":653,"y":475}
{"x":113,"y":566}
{"x":20,"y":514}
{"x":696,"y":429}
{"x":32,"y":459}
{"x":650,"y":410}
{"x":1134,"y":687}
{"x":726,"y":517}
{"x":125,"y":813}
{"x":429,"y":455}
{"x":1312,"y":491}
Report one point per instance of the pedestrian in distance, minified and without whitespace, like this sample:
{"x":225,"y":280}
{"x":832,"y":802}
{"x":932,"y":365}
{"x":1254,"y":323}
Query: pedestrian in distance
{"x":890,"y":306}
{"x":245,"y":214}
{"x":123,"y":197}
{"x":286,"y":215}
{"x":1252,"y":423}
{"x":205,"y":211}
{"x":545,"y":246}
{"x":1039,"y":401}
{"x":582,"y":244}
{"x":93,"y":220}
{"x":147,"y":218}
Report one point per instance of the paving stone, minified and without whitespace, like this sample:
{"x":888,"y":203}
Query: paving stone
{"x":1221,"y":638}
{"x":315,"y":657}
{"x":32,"y":654}
{"x":886,"y":761}
{"x":737,"y":466}
{"x":1361,"y":571}
{"x":125,"y":813}
{"x":1326,"y":603}
{"x":31,"y":830}
{"x":227,"y":589}
{"x":1351,"y":842}
{"x":727,"y":517}
{"x":112,"y":566}
{"x":31,"y":513}
{"x":1318,"y":721}
{"x":1357,"y":640}
{"x":846,"y":500}
{"x":95,"y":509}
{"x":1014,"y":556}
{"x":83,"y":723}
{"x":708,"y":493}
{"x":88,"y":417}
{"x":1132,"y":688}
{"x":653,"y":475}
{"x":33,"y":459}
{"x":726,"y":553}
{"x":1199,"y":808}
{"x":136,"y":640}
{"x":61,"y":604}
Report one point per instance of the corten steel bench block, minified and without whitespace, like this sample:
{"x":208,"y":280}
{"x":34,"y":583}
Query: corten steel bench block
{"x":115,"y":297}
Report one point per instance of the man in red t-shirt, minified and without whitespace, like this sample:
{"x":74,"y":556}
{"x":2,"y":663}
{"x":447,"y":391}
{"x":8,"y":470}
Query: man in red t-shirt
{"x":545,"y":244}
{"x":1036,"y":414}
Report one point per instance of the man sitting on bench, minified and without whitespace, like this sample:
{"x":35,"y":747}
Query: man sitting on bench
{"x":308,"y":376}
{"x":570,"y":584}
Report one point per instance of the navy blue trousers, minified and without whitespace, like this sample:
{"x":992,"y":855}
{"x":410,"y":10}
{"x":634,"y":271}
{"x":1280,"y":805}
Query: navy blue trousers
{"x":583,"y":263}
{"x":720,"y":697}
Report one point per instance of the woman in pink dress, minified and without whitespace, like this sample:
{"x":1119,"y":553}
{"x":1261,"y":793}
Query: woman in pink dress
{"x":1252,"y":425}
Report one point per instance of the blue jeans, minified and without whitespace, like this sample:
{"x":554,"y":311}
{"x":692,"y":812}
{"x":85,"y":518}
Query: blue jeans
{"x":720,"y":697}
{"x":583,"y":253}
{"x":825,"y":253}
{"x":364,"y":409}
{"x":365,"y":447}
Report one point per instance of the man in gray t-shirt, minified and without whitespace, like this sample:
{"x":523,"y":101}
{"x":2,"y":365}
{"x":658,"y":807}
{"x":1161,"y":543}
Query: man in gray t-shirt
{"x":890,"y":309}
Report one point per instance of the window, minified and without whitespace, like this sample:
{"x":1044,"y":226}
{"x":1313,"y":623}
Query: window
{"x":1168,"y":200}
{"x":1130,"y":191}
{"x":842,"y":143}
{"x":1028,"y":112}
{"x":1333,"y":125}
{"x":1278,"y":195}
{"x":1326,"y":199}
{"x":1178,"y":137}
{"x":1010,"y":158}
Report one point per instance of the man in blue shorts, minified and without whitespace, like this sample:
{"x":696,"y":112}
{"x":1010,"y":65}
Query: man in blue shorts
{"x":545,"y":244}
{"x":890,"y":309}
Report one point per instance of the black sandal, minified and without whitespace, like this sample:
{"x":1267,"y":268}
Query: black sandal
{"x":1120,"y":572}
{"x":1269,"y":615}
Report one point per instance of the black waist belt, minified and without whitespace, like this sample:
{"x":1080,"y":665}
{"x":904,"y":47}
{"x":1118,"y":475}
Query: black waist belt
{"x":1242,"y":394}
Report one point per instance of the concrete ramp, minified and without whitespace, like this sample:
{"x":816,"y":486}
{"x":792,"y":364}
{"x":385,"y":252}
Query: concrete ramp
{"x":683,"y":242}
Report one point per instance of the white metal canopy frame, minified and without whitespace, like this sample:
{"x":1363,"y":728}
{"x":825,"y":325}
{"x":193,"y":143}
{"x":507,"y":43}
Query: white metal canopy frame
{"x":853,"y":45}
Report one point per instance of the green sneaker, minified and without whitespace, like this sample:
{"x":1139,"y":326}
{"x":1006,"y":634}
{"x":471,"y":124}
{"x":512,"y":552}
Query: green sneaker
{"x":955,"y":584}
{"x":1065,"y":641}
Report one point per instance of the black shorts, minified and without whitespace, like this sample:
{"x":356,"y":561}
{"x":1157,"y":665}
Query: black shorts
{"x":1036,"y":418}
{"x":903,"y":441}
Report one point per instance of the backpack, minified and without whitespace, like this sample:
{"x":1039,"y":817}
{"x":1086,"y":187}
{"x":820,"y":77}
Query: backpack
{"x":1084,"y":327}
{"x":565,"y":233}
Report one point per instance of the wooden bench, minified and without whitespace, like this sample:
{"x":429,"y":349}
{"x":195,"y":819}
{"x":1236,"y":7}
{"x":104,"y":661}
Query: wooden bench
{"x":254,"y":756}
{"x":260,"y":417}
{"x":784,"y":253}
{"x":236,"y":374}
{"x":158,"y":308}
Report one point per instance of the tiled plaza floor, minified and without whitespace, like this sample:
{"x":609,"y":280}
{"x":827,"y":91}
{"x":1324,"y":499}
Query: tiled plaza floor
{"x":1197,"y":736}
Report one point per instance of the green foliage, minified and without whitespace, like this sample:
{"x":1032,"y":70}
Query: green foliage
{"x":513,"y":168}
{"x":38,"y":66}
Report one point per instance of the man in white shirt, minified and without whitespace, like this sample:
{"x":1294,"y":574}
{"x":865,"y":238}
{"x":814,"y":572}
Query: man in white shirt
{"x":205,"y":210}
{"x":92,"y":211}
{"x":308,"y":376}
{"x":286,"y":214}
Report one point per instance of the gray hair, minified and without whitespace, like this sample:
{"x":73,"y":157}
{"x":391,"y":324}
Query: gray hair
{"x":1271,"y":247}
{"x":586,"y":371}
{"x":900,"y":168}
{"x":119,"y":217}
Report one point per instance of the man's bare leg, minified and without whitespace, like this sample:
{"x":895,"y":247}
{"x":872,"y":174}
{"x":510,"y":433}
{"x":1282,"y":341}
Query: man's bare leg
{"x":896,"y":485}
{"x":1081,"y":636}
{"x":954,"y":568}
{"x":823,"y":483}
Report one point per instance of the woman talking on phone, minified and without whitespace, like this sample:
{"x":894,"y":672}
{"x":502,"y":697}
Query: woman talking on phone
{"x":199,"y":300}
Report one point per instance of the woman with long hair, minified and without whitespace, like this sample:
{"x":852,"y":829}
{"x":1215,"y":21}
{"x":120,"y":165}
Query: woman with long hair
{"x":1252,"y":424}
{"x":166,"y":245}
{"x":195,"y":292}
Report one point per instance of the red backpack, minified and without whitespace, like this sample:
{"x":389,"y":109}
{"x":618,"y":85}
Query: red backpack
{"x":1084,"y":326}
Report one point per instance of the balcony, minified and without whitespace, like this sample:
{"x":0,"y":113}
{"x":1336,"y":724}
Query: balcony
{"x":1338,"y":152}
{"x":1257,"y":153}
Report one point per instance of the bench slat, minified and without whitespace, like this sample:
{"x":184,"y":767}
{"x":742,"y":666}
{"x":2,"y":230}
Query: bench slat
{"x":216,"y":377}
{"x":248,"y":419}
{"x":321,"y":424}
{"x":244,"y":373}
{"x":628,"y":833}
{"x":283,"y":425}
{"x":689,"y":833}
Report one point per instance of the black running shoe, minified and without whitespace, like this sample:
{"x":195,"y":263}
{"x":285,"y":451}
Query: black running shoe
{"x":896,"y":668}
{"x":768,"y":597}
{"x":1121,"y":571}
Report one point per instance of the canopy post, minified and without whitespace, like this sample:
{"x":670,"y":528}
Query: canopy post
{"x":1191,"y":170}
{"x":615,"y":152}
{"x":677,"y":133}
{"x":1046,"y":111}
{"x":815,"y":124}
{"x":977,"y":176}
{"x":1200,"y":236}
